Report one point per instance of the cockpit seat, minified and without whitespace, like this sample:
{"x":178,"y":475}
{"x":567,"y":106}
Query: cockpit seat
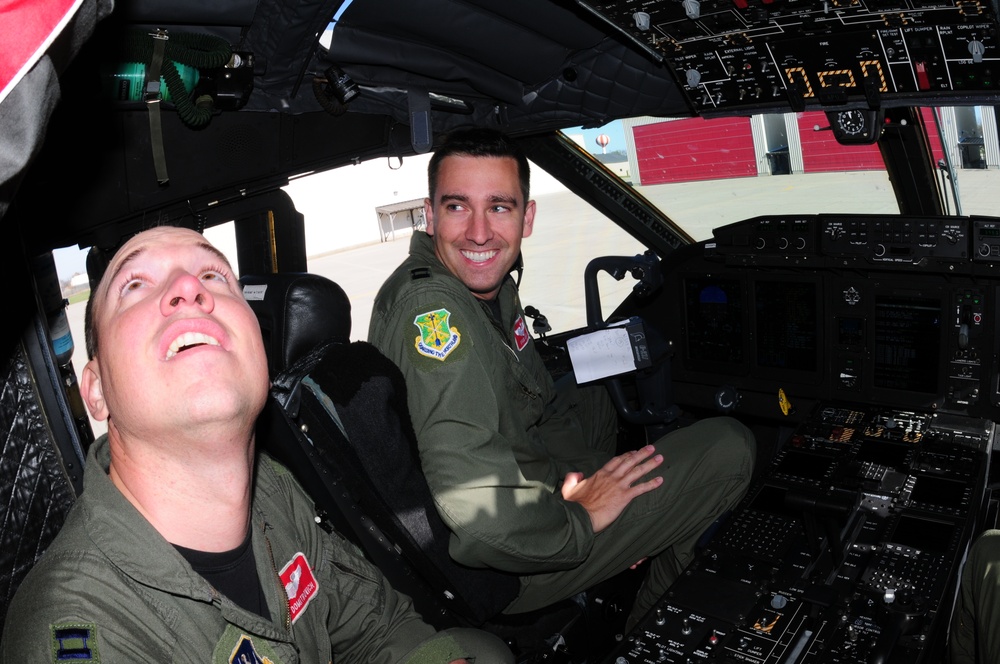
{"x":338,"y":418}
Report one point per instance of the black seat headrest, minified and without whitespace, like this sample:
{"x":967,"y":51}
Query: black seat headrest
{"x":296,"y":312}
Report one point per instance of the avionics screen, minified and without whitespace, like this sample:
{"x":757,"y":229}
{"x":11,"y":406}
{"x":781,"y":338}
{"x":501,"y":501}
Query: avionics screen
{"x":884,"y":454}
{"x":938,"y":491}
{"x":771,"y":499}
{"x":714,"y":309}
{"x":923,"y":534}
{"x":907,"y":343}
{"x":787,"y":324}
{"x":804,"y":466}
{"x":851,"y":331}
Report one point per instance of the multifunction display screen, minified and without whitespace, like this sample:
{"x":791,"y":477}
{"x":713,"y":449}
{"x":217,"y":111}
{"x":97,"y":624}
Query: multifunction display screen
{"x":907,"y":343}
{"x":787,"y":325}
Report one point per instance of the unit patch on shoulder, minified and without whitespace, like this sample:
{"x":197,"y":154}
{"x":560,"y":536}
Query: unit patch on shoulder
{"x":437,"y":339}
{"x":300,"y":584}
{"x":521,"y":336}
{"x":75,"y":642}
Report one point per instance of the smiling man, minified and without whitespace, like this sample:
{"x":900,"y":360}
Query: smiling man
{"x":186,"y":546}
{"x":522,"y":472}
{"x":477,"y":227}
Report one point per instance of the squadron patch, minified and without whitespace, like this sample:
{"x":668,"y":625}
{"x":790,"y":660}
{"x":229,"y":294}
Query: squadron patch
{"x":237,"y":647}
{"x":437,"y":339}
{"x":75,"y":642}
{"x":521,"y":336}
{"x":300,"y":584}
{"x":245,"y":653}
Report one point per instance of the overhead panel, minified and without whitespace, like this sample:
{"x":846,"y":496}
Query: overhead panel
{"x":747,"y":56}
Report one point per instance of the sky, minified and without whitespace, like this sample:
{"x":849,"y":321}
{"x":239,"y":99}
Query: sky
{"x":613,"y":130}
{"x":70,"y":261}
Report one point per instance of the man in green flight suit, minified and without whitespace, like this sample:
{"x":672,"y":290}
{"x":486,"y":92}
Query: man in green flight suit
{"x":185,"y":545}
{"x":975,"y":625}
{"x":523,"y":473}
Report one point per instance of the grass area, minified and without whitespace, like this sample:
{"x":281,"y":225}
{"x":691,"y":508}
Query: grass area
{"x":79,"y":297}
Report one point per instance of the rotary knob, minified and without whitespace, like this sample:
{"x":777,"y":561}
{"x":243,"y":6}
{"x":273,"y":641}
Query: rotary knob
{"x":727,"y":399}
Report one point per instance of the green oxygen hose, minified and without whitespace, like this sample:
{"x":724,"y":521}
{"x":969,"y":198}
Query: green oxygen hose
{"x":196,"y":50}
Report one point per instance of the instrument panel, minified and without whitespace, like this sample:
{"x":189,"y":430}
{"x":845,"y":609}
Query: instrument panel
{"x":871,"y":343}
{"x":885,"y":310}
{"x":847,"y":550}
{"x":754,"y":55}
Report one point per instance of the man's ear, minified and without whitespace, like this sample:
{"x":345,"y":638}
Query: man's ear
{"x":429,"y":216}
{"x":529,"y":219}
{"x":93,"y":392}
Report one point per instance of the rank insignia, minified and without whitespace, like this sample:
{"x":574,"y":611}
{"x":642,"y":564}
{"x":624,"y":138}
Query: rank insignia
{"x":75,"y":643}
{"x":520,"y":333}
{"x":437,"y":340}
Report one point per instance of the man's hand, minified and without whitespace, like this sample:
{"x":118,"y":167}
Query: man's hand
{"x":607,"y":492}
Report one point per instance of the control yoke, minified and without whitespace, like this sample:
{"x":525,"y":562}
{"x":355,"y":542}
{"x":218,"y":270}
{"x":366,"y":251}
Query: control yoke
{"x":644,"y":268}
{"x":654,"y":400}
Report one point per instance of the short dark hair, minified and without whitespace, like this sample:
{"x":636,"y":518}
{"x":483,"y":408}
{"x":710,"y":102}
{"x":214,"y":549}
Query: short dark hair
{"x":89,"y":332}
{"x":97,"y":264}
{"x":478,"y":142}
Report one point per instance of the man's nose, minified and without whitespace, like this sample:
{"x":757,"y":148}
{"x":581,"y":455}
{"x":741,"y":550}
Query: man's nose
{"x":186,"y":290}
{"x":479,"y":229}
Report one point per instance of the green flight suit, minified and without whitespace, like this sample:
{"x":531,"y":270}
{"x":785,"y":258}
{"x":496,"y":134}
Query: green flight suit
{"x":975,"y":626}
{"x":497,"y":438}
{"x":111,"y":589}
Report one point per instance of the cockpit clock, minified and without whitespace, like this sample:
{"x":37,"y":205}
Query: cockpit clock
{"x":854,"y":126}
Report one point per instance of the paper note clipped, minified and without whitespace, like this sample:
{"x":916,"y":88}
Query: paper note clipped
{"x":601,"y":354}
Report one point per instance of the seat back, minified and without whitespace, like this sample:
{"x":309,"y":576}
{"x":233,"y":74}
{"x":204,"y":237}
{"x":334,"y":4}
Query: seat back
{"x":338,"y":418}
{"x":297,"y":312}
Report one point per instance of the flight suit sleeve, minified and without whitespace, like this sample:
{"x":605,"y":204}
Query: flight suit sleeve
{"x":75,"y":612}
{"x":498,"y":518}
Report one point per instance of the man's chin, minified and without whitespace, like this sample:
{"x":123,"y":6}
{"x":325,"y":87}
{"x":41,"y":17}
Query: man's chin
{"x":485,"y":293}
{"x":483,"y":289}
{"x":218,"y":407}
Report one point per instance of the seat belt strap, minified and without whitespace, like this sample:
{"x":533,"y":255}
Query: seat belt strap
{"x":153,"y":97}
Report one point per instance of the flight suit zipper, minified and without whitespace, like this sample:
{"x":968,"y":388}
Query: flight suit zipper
{"x":527,"y":391}
{"x":496,"y":326}
{"x":286,"y":611}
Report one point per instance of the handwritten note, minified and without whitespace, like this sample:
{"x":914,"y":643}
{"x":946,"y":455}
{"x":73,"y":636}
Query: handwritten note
{"x":601,"y":354}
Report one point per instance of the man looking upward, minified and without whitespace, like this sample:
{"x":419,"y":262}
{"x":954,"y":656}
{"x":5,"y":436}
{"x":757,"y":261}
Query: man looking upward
{"x":186,"y":546}
{"x":523,"y":473}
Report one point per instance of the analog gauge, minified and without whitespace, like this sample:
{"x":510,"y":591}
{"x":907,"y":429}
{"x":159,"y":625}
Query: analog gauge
{"x":855,"y":125}
{"x":852,"y":123}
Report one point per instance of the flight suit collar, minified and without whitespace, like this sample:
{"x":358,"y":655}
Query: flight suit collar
{"x":136,"y":548}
